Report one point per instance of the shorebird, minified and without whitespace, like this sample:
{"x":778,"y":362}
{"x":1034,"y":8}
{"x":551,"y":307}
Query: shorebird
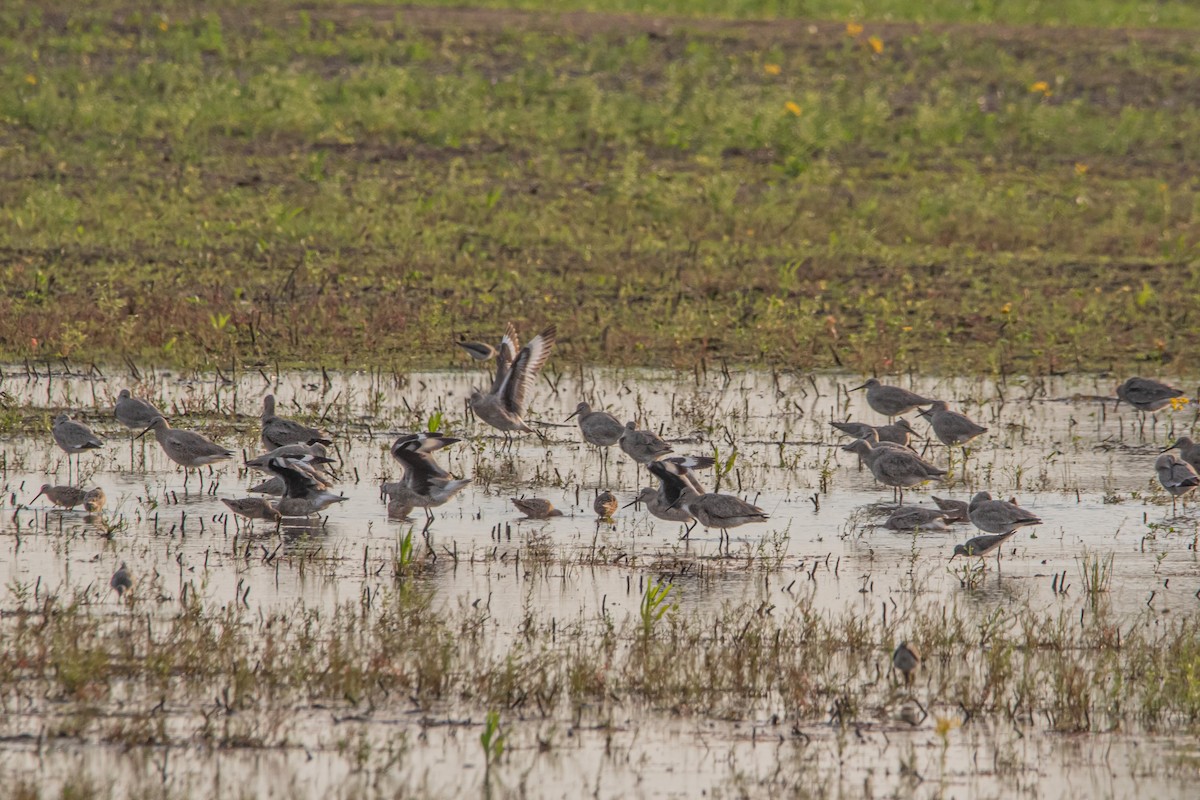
{"x":1145,"y":394}
{"x":303,"y":495}
{"x":895,"y":467}
{"x":74,"y":438}
{"x":642,"y":446}
{"x":1189,"y":451}
{"x":503,"y":406}
{"x":253,"y":508}
{"x":914,"y":518}
{"x":479,"y":351}
{"x":188,"y":449}
{"x":953,"y":510}
{"x":999,"y":516}
{"x":891,"y":401}
{"x":62,"y":496}
{"x":292,"y":451}
{"x":599,"y":428}
{"x":398,"y":509}
{"x":712,"y":510}
{"x":899,"y":432}
{"x":656,"y":500}
{"x":121,"y":580}
{"x":605,"y":505}
{"x":951,"y":427}
{"x":535,"y":507}
{"x":982,"y":545}
{"x":94,"y":500}
{"x":425,"y":484}
{"x":280,"y":431}
{"x":906,"y":659}
{"x":134,"y":412}
{"x":1176,"y":476}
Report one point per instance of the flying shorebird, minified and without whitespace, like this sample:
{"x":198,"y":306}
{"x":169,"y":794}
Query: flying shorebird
{"x":280,"y":431}
{"x":303,"y":495}
{"x":425,"y":483}
{"x":188,"y":449}
{"x":503,"y":406}
{"x":479,"y":351}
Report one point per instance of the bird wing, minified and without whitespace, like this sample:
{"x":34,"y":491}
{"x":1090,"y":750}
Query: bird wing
{"x":524,"y":371}
{"x":419,"y":468}
{"x":297,"y":483}
{"x":671,"y":484}
{"x":506,"y":354}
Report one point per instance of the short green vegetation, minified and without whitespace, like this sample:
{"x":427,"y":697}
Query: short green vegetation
{"x":360,"y":185}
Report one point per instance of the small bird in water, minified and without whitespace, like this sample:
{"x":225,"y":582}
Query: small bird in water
{"x":953,"y":510}
{"x":656,"y":500}
{"x":599,"y":428}
{"x":398,"y":509}
{"x":74,"y":438}
{"x":280,"y":431}
{"x":504,"y":404}
{"x":895,"y":467}
{"x":303,"y":495}
{"x":712,"y":510}
{"x":535,"y":507}
{"x":94,"y":500}
{"x":62,"y":496}
{"x":906,"y":659}
{"x":121,"y":580}
{"x":916,"y":518}
{"x":253,"y":508}
{"x":899,"y":432}
{"x":642,"y":446}
{"x":188,"y":449}
{"x":425,"y":484}
{"x":605,"y":505}
{"x":1149,"y":395}
{"x":982,"y":545}
{"x":891,"y":401}
{"x":1176,"y":476}
{"x":134,"y":412}
{"x":998,"y":516}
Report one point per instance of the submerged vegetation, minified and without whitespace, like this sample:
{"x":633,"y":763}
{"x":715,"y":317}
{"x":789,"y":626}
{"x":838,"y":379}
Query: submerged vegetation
{"x":361,"y":184}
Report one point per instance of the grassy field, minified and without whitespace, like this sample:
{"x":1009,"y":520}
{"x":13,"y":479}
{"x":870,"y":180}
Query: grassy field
{"x":361,"y":184}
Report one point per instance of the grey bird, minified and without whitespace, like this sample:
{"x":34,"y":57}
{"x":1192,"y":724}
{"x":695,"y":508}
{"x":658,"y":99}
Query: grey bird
{"x":605,"y":505}
{"x":398,"y":509}
{"x":253,"y":508}
{"x":188,"y":449}
{"x":134,"y":412}
{"x":953,"y":510}
{"x":895,"y":467}
{"x":121,"y":581}
{"x":999,"y":516}
{"x":1145,"y":394}
{"x":535,"y":507}
{"x":74,"y":438}
{"x":599,"y":428}
{"x":303,"y":496}
{"x":712,"y":510}
{"x":1176,"y":476}
{"x":1189,"y":450}
{"x":914,"y":518}
{"x":503,"y":406}
{"x":290,"y":451}
{"x":642,"y":446}
{"x":950,"y":427}
{"x":906,"y":659}
{"x":280,"y":431}
{"x":899,"y":432}
{"x":891,"y":401}
{"x":425,"y":484}
{"x":980,"y":546}
{"x":62,"y":496}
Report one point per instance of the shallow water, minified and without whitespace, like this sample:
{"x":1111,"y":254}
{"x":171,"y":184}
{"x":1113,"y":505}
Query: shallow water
{"x":1083,"y":466}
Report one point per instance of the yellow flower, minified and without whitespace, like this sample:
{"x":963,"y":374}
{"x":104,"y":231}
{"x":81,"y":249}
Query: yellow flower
{"x":31,"y":79}
{"x":1006,"y":308}
{"x":906,"y":328}
{"x":162,"y":25}
{"x":943,"y":725}
{"x":793,"y":107}
{"x":1040,"y":86}
{"x":772,"y":69}
{"x":1179,"y":402}
{"x":876,"y":44}
{"x":853,"y":29}
{"x":1080,"y":168}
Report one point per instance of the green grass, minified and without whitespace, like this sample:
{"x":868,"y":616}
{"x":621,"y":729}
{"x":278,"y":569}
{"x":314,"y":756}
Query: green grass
{"x":360,"y":185}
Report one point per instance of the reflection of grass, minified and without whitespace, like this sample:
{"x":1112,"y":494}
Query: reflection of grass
{"x":333,"y":188}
